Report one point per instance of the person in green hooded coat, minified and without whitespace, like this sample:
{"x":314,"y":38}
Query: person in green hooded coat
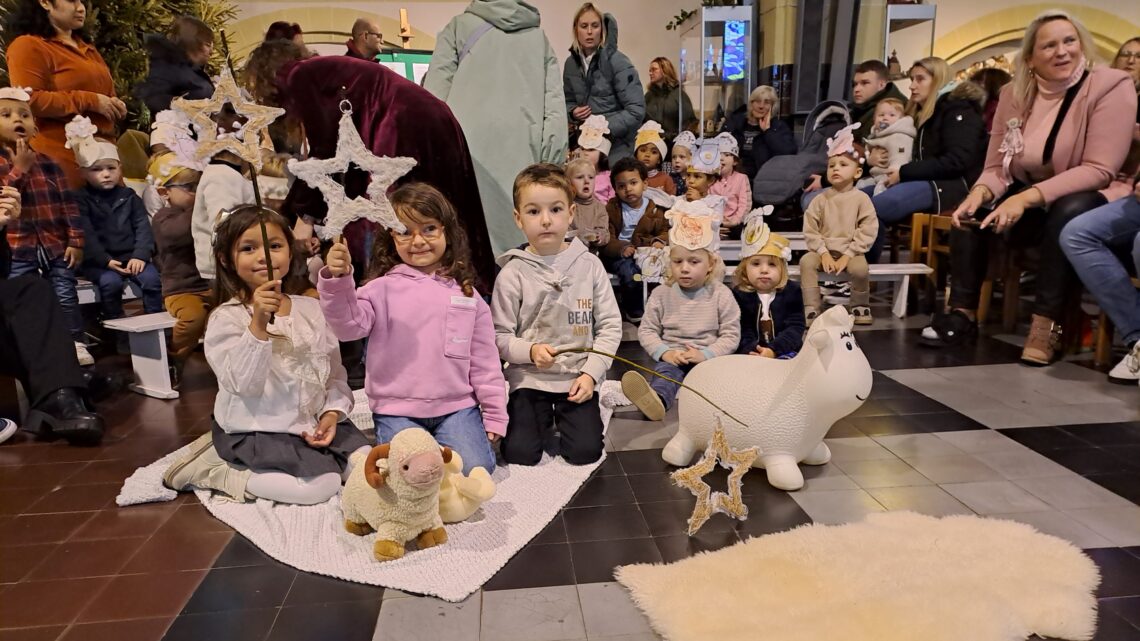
{"x":495,"y":68}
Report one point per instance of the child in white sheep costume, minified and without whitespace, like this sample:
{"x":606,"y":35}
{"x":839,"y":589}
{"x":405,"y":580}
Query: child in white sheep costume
{"x":394,"y":491}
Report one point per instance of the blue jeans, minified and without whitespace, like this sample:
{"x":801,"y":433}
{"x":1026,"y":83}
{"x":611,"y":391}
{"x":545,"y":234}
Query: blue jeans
{"x":462,"y":431}
{"x":63,"y":282}
{"x":110,"y":284}
{"x":667,"y":390}
{"x":631,"y":290}
{"x":1089,"y":242}
{"x":895,"y":205}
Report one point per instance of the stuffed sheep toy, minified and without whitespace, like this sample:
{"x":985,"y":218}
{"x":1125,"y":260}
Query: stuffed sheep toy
{"x":460,"y":496}
{"x":394,"y":491}
{"x":788,"y":405}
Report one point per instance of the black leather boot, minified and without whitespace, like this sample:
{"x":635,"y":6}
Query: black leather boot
{"x":101,"y":386}
{"x":63,"y":413}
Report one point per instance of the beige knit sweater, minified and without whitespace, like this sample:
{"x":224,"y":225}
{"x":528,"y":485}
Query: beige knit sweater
{"x":843,"y":222}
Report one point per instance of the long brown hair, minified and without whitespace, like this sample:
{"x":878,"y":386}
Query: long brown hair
{"x":668,"y":72}
{"x":939,"y":75}
{"x":227,"y":283}
{"x":416,"y":202}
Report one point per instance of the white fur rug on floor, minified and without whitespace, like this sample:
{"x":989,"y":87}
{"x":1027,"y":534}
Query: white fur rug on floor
{"x":313,"y":539}
{"x":896,"y":575}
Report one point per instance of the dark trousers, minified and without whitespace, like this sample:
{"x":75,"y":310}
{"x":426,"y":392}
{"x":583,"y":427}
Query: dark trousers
{"x":970,"y":249}
{"x":533,"y":415}
{"x":35,"y":344}
{"x":667,"y":390}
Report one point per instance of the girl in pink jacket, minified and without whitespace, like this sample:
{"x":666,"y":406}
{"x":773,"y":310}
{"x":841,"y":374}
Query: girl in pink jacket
{"x":733,"y":185}
{"x":432,"y":360}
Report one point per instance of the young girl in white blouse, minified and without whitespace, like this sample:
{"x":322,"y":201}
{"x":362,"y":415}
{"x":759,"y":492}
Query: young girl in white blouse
{"x":280,"y":427}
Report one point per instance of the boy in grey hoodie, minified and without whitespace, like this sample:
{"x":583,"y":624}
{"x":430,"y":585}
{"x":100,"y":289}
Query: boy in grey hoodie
{"x":552,"y":296}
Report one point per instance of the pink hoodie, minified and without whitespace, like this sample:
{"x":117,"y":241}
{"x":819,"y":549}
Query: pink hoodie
{"x":737,"y":191}
{"x":431,"y":349}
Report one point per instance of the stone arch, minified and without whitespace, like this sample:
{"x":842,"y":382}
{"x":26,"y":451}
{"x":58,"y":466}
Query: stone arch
{"x":321,"y":24}
{"x":1004,"y":26}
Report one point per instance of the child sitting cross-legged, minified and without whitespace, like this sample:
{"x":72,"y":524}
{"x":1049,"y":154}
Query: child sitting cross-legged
{"x":119,"y":242}
{"x":651,"y":152}
{"x":552,"y":296}
{"x":692,"y":318}
{"x":839,"y":226}
{"x":771,"y":306}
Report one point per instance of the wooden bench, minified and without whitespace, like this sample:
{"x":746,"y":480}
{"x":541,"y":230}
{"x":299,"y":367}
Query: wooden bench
{"x":88,"y":293}
{"x":147,"y":333}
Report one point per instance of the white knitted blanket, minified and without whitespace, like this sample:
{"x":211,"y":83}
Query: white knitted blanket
{"x":312,"y":538}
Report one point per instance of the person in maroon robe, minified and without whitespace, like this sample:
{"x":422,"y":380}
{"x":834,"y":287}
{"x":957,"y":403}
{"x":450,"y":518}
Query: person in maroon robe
{"x":395,"y":117}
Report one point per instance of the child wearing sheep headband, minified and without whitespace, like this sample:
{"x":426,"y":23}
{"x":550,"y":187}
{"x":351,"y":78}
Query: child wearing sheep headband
{"x":771,"y":306}
{"x":650,"y":150}
{"x":690,"y":319}
{"x":595,"y":147}
{"x":840,"y":226}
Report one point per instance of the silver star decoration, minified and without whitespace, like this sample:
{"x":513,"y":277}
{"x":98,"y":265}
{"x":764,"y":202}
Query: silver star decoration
{"x":384,"y":172}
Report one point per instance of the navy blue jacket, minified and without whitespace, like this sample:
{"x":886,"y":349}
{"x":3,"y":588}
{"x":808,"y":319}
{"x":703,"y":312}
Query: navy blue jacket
{"x":115,"y":226}
{"x":787,"y":312}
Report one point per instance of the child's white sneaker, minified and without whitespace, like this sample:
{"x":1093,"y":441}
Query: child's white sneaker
{"x":1127,"y":371}
{"x":83,"y":355}
{"x":202,"y":468}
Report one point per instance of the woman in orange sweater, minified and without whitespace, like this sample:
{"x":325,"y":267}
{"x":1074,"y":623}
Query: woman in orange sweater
{"x":67,"y":76}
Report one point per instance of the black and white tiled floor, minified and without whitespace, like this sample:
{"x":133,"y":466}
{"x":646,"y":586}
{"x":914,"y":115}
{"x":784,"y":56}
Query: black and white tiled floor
{"x":944,"y":432}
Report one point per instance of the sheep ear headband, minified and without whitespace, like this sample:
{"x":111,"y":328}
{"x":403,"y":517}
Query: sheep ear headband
{"x":706,"y":158}
{"x":80,"y":133}
{"x":592,"y":134}
{"x":756,"y":232}
{"x":694,"y":225}
{"x":843,"y":144}
{"x":685,"y":139}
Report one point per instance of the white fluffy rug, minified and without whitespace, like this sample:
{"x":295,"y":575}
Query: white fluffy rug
{"x":313,"y":539}
{"x":896,"y":575}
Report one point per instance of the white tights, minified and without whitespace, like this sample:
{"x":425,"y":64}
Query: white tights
{"x":286,"y":488}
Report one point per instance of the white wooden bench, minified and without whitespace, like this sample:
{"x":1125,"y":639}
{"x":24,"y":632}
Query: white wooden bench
{"x":149,"y":360}
{"x":88,"y":293}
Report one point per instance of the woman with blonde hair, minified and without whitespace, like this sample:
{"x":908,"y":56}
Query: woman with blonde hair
{"x":665,"y":101}
{"x":1061,"y":133}
{"x":758,"y":132}
{"x":948,"y":152}
{"x":600,"y":80}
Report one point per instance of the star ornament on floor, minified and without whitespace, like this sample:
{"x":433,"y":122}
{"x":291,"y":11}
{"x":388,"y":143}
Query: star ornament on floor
{"x":246,"y":142}
{"x":708,"y":502}
{"x":384,"y":172}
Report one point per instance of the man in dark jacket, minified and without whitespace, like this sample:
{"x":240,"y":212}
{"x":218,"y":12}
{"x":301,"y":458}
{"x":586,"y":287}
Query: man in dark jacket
{"x":870,"y":84}
{"x":604,"y":82}
{"x":366,"y":40}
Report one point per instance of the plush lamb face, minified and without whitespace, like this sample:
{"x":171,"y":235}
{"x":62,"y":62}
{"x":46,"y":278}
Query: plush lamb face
{"x":413,"y":460}
{"x":848,"y":375}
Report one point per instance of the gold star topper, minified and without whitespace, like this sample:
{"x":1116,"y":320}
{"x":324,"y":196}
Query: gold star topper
{"x":709,"y":502}
{"x":383,"y":172}
{"x":246,"y":141}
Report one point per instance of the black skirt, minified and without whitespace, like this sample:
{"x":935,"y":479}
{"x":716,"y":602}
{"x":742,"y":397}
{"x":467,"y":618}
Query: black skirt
{"x":282,"y":452}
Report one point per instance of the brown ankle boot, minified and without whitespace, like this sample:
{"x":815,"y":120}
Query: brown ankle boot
{"x":1042,"y":343}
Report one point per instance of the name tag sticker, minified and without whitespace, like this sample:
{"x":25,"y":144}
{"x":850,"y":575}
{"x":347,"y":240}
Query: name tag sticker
{"x":463,"y":301}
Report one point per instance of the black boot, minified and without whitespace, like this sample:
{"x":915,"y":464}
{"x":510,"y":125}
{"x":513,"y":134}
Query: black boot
{"x":64,"y":414}
{"x":101,"y":386}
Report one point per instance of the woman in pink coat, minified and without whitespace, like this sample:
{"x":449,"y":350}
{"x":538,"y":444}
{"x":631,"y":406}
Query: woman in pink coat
{"x":1062,"y":130}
